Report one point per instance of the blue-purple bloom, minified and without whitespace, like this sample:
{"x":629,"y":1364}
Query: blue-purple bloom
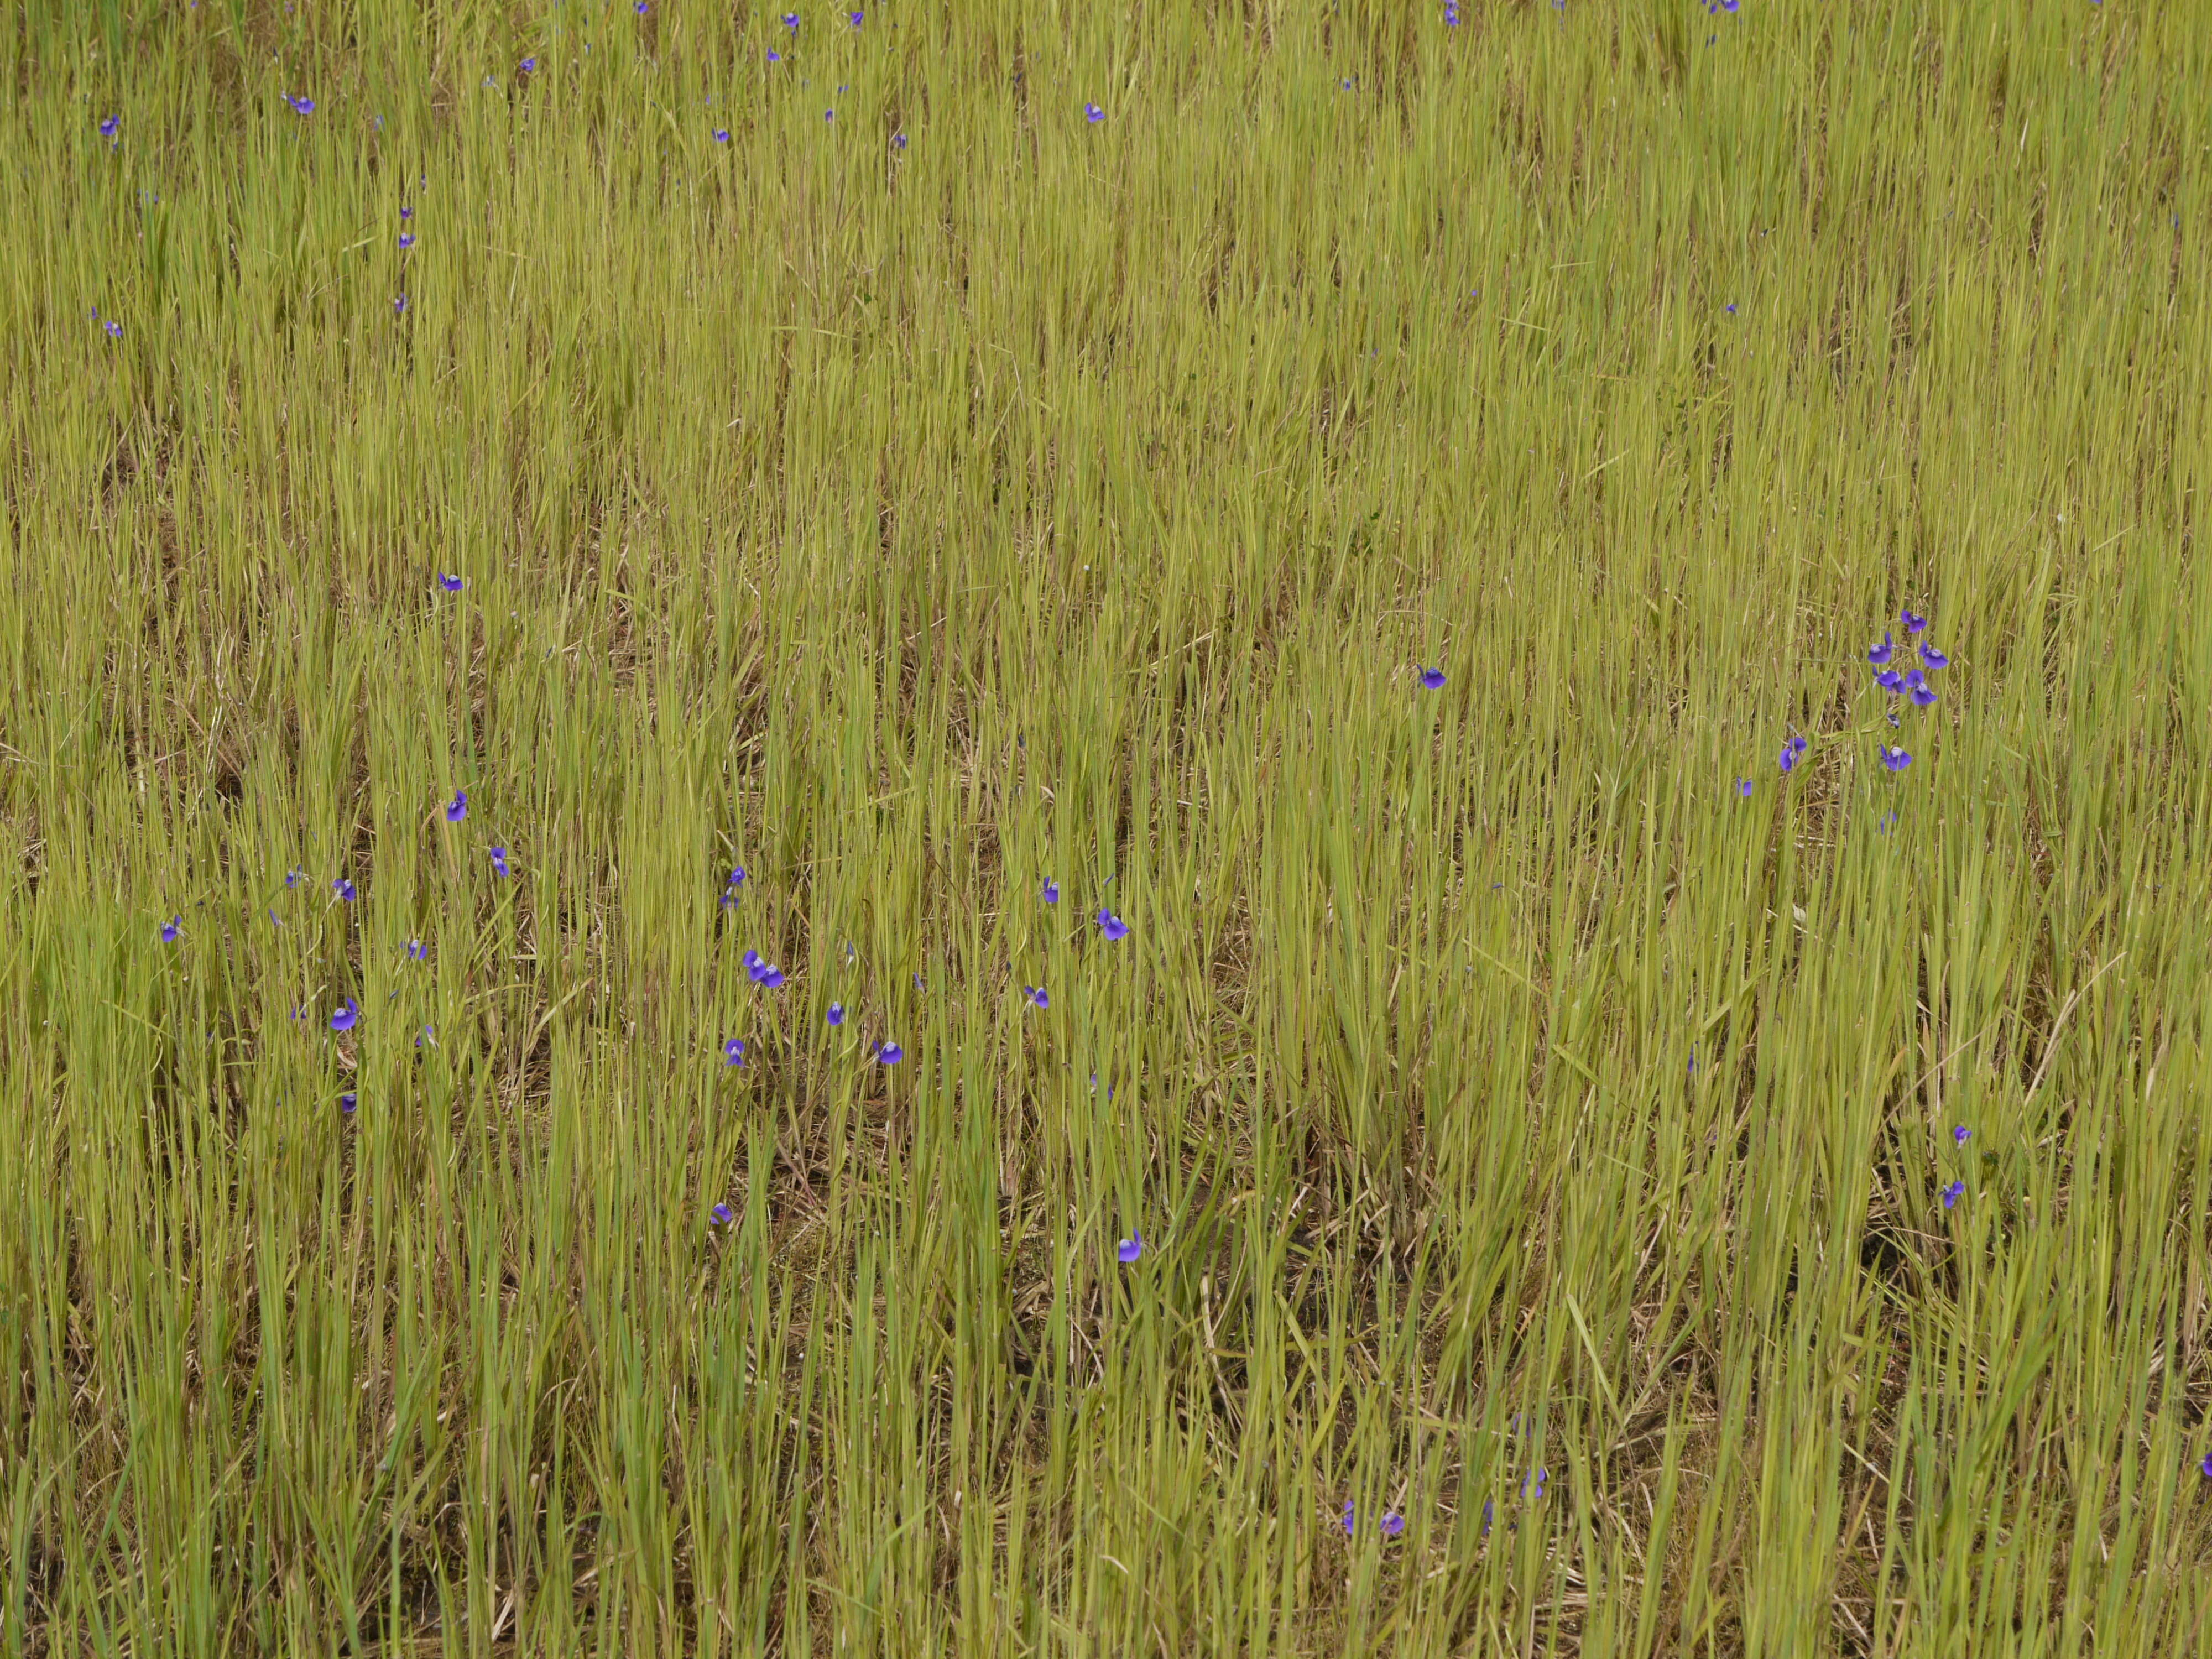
{"x":107,"y":126}
{"x":294,"y":877}
{"x":1954,"y":1192}
{"x":114,"y":329}
{"x":721,"y":135}
{"x":1743,"y":786}
{"x":347,"y":1017}
{"x":898,"y":141}
{"x":1051,"y":891}
{"x":301,"y":106}
{"x":345,"y":890}
{"x":527,"y":66}
{"x":720,"y":1216}
{"x":499,"y":861}
{"x":1923,"y":694}
{"x":417,"y":951}
{"x":348,"y":1101}
{"x":890,"y":1053}
{"x":1433,"y":678}
{"x":1959,"y":1134}
{"x":1093,"y":114}
{"x":855,"y":16}
{"x":399,"y":305}
{"x":1890,"y":680}
{"x":1129,"y":1249}
{"x":734,"y":1052}
{"x":1895,"y":759}
{"x":1350,"y":1513}
{"x":791,"y":19}
{"x":1392,"y":1523}
{"x":451,"y":584}
{"x":1933,"y":658}
{"x":1538,"y":1479}
{"x":171,"y":928}
{"x":2205,"y":1467}
{"x":1112,"y":925}
{"x":1036,"y":996}
{"x":1913,"y":623}
{"x":836,"y":1014}
{"x":458,"y":808}
{"x":1880,"y":653}
{"x":406,"y":240}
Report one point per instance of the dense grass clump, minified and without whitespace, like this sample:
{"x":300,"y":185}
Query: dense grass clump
{"x":1580,"y":1149}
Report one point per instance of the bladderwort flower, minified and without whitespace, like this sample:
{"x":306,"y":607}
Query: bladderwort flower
{"x":428,"y":1033}
{"x":1916,"y":688}
{"x":345,"y":890}
{"x":348,"y":1101}
{"x":836,"y":1014}
{"x":499,"y":862}
{"x":1882,"y":653}
{"x":1895,"y":758}
{"x":1791,"y":752}
{"x":898,"y":141}
{"x":1743,"y":786}
{"x":417,"y":951}
{"x":1392,"y":1523}
{"x":1954,"y":1192}
{"x":171,"y":928}
{"x":791,"y":19}
{"x":451,"y":584}
{"x":347,"y":1017}
{"x":114,"y":329}
{"x":1036,"y":996}
{"x":720,"y":1216}
{"x":890,"y":1053}
{"x":108,"y":125}
{"x":2205,"y":1467}
{"x":1051,"y":891}
{"x":1112,"y":925}
{"x":1129,"y":1249}
{"x":301,"y":106}
{"x":1890,"y":680}
{"x":855,"y":17}
{"x":294,"y":877}
{"x":1537,"y":1479}
{"x":1931,"y":657}
{"x":1913,"y":623}
{"x":1350,"y":1513}
{"x":1433,"y":678}
{"x":406,"y":240}
{"x":734,"y":1052}
{"x":1961,"y":1136}
{"x":458,"y":808}
{"x":721,"y":135}
{"x":1093,"y":114}
{"x":527,"y":66}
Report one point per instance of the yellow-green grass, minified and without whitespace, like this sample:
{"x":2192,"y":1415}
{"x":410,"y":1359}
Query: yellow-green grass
{"x":1060,"y":498}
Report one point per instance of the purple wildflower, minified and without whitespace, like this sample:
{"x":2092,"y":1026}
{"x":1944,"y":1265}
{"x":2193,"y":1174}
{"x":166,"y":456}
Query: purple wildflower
{"x":458,"y":808}
{"x":451,"y":584}
{"x":1895,"y":759}
{"x":171,"y":928}
{"x":345,"y":890}
{"x":734,"y":1052}
{"x":1933,"y":658}
{"x":890,"y":1053}
{"x":347,"y":1017}
{"x":1433,"y":678}
{"x":1913,"y":623}
{"x":720,"y":1216}
{"x":1093,"y":114}
{"x":1960,"y":1134}
{"x":1954,"y":1192}
{"x":499,"y":861}
{"x":836,"y":1014}
{"x":1112,"y":925}
{"x":1129,"y":1249}
{"x":1051,"y":891}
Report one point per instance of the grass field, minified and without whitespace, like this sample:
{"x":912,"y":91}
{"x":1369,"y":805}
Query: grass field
{"x":1534,"y":1114}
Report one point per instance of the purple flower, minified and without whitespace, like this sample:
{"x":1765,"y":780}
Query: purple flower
{"x":1129,"y":1249}
{"x":499,"y":861}
{"x":1913,"y":623}
{"x":1959,"y":1135}
{"x":1433,"y":678}
{"x":829,"y":114}
{"x":347,"y":1017}
{"x":1051,"y":891}
{"x":1890,"y":680}
{"x":721,"y":135}
{"x":1922,"y":695}
{"x":1879,"y":653}
{"x":345,"y":890}
{"x":1112,"y":925}
{"x":428,"y":1033}
{"x":720,"y":1216}
{"x":301,"y":106}
{"x":407,"y":213}
{"x":114,"y":329}
{"x":1895,"y":759}
{"x":2205,"y":1467}
{"x":898,"y":141}
{"x":458,"y":808}
{"x":1933,"y":658}
{"x":1743,"y":786}
{"x":791,"y":19}
{"x":417,"y":951}
{"x":171,"y":928}
{"x":1537,"y":1479}
{"x":774,"y":56}
{"x":734,"y":1052}
{"x":738,"y":877}
{"x":295,"y":877}
{"x":1036,"y":995}
{"x":528,"y":66}
{"x":1954,"y":1192}
{"x":1349,"y":1513}
{"x":836,"y":1014}
{"x":1093,"y":114}
{"x":451,"y":584}
{"x":399,"y":305}
{"x":1392,"y":1523}
{"x":642,"y":8}
{"x":1451,"y":14}
{"x":855,"y":16}
{"x":890,"y":1053}
{"x":348,"y":1101}
{"x":406,"y":240}
{"x":770,"y":977}
{"x":108,"y":125}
